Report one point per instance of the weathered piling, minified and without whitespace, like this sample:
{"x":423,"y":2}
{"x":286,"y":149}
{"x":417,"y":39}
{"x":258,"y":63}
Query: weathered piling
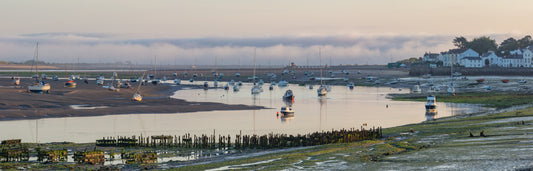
{"x":51,"y":156}
{"x":13,"y":150}
{"x":89,"y":157}
{"x":268,"y":141}
{"x":139,"y":157}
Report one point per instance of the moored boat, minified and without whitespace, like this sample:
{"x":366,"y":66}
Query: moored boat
{"x":322,"y":90}
{"x":289,"y":95}
{"x":351,"y":85}
{"x":431,"y":104}
{"x":16,"y":80}
{"x":70,"y":84}
{"x":38,"y":86}
{"x":287,"y":110}
{"x":416,"y":89}
{"x":282,"y":83}
{"x":137,"y":97}
{"x":100,"y":80}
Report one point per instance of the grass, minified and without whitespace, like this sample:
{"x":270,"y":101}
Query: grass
{"x":488,"y":99}
{"x":374,"y":151}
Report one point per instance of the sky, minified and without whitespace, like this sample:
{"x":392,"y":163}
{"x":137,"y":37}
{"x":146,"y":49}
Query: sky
{"x":205,"y":32}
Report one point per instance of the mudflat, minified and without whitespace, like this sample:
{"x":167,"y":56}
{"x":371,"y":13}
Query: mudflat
{"x":17,"y":103}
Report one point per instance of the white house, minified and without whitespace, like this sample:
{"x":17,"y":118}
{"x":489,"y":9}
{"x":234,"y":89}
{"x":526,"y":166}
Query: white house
{"x":430,"y":57}
{"x":513,"y":61}
{"x":471,"y":59}
{"x":492,"y":58}
{"x":528,"y":55}
{"x":450,"y":58}
{"x":467,"y":53}
{"x":472,"y":62}
{"x":454,"y":56}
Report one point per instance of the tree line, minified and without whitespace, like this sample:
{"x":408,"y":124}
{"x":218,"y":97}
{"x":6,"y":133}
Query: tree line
{"x":484,"y":44}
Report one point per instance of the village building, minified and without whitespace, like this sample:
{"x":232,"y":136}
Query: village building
{"x":471,"y":59}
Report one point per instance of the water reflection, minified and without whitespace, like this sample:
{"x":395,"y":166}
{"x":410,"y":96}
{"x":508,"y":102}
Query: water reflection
{"x":255,"y":98}
{"x":323,"y":110}
{"x":286,"y":118}
{"x":431,"y":115}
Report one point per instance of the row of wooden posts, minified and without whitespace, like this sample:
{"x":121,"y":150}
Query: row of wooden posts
{"x":13,"y":150}
{"x":243,"y":141}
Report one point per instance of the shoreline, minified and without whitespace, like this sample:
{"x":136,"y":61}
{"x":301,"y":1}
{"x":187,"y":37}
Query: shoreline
{"x":57,"y":104}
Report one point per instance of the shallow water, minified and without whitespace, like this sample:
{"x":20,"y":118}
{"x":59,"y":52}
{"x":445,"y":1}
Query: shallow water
{"x":342,"y":108}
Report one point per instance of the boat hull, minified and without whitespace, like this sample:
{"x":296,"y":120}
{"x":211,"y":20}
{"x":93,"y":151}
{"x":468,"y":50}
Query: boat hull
{"x":137,"y":97}
{"x":39,"y":88}
{"x":70,"y":84}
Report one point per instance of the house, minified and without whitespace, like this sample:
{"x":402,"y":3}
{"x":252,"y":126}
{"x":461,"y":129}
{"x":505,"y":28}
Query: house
{"x":430,"y":57}
{"x":449,"y":58}
{"x":491,"y":58}
{"x":514,"y":60}
{"x":471,"y":59}
{"x":472,"y":62}
{"x":454,"y":56}
{"x":528,"y":55}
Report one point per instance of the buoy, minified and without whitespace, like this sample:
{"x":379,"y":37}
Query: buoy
{"x":277,"y":113}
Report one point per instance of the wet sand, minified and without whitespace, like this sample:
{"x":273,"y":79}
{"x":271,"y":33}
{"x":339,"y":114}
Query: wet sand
{"x":17,"y":103}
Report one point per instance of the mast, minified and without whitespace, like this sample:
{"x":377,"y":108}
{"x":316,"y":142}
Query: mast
{"x":320,"y":55}
{"x":37,"y":59}
{"x":155,"y":72}
{"x":254,"y":64}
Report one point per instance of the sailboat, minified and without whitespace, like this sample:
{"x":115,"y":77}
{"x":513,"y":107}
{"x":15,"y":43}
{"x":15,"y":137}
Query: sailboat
{"x":256,"y":89}
{"x":16,"y":80}
{"x":322,"y":90}
{"x":111,"y":86}
{"x":155,"y":81}
{"x":70,"y":82}
{"x":38,"y":86}
{"x":451,"y":88}
{"x":137,"y":96}
{"x":177,"y":81}
{"x":100,"y":80}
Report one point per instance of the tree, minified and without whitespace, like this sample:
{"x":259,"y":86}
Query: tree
{"x":482,"y":44}
{"x":460,"y":42}
{"x":507,"y":45}
{"x":524,"y":42}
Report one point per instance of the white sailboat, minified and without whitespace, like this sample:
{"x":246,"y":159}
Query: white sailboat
{"x":137,"y":96}
{"x":16,"y":80}
{"x":100,"y":80}
{"x":155,"y":80}
{"x":322,"y":90}
{"x":256,"y":89}
{"x":451,"y":88}
{"x":38,"y":86}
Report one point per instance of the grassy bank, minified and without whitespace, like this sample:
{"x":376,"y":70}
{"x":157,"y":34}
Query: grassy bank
{"x":425,"y":145}
{"x":488,"y":99}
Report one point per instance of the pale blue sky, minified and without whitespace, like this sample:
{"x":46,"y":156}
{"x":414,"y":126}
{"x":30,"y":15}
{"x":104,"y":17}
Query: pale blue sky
{"x":374,"y":22}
